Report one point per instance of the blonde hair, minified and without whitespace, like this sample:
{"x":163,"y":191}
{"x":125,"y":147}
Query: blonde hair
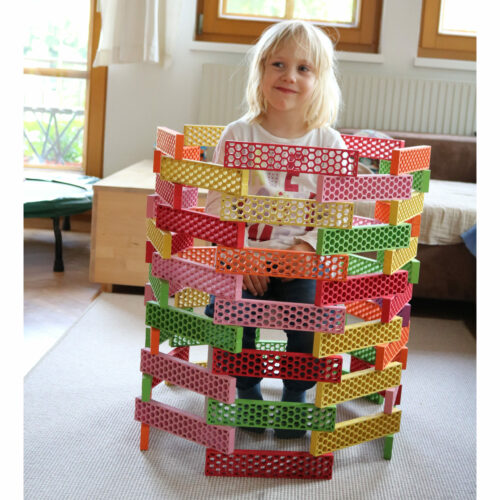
{"x":325,"y":101}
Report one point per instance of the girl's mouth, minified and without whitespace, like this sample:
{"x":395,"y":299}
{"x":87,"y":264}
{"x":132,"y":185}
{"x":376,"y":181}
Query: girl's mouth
{"x":285,"y":90}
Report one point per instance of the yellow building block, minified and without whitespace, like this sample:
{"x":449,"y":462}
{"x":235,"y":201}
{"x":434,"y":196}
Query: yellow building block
{"x":293,"y":211}
{"x":355,"y":431}
{"x":205,"y":175}
{"x":190,"y":297}
{"x":402,"y":210}
{"x":357,"y":336}
{"x":161,"y":240}
{"x":396,"y":259}
{"x":357,"y":384}
{"x":202,"y":135}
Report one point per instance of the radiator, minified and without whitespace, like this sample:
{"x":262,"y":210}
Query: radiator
{"x":374,"y":102}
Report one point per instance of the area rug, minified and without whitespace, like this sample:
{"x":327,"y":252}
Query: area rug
{"x":82,"y":442}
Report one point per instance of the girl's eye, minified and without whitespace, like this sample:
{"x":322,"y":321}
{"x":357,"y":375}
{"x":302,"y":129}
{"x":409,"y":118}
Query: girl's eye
{"x":303,"y":68}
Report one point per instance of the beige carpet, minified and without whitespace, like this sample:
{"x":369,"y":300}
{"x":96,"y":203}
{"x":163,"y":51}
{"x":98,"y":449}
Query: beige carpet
{"x":82,"y":442}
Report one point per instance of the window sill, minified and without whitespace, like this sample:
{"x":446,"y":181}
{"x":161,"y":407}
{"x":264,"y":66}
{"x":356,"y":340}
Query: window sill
{"x":429,"y":62}
{"x":240,"y":48}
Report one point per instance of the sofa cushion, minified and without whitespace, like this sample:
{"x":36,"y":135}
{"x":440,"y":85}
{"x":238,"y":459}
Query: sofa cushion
{"x":449,"y":210}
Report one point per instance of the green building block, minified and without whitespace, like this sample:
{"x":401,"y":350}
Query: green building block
{"x":421,"y":180}
{"x":367,"y":354}
{"x":173,"y":321}
{"x":160,"y":288}
{"x":362,"y":265}
{"x":147,"y":386}
{"x":388,"y":442}
{"x":271,"y":345}
{"x":147,"y":343}
{"x":363,"y":238}
{"x":413,"y":268}
{"x":271,"y":414}
{"x":384,"y":167}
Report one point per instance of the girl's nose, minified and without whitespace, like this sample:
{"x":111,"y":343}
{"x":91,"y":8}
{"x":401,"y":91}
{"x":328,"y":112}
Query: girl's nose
{"x":290,"y":75}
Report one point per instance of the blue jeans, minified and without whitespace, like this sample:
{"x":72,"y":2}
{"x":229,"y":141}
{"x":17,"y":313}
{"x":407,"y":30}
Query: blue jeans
{"x":298,"y":290}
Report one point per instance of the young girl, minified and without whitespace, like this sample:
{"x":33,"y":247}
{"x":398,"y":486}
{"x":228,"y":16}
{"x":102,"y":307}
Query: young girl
{"x":293,"y":98}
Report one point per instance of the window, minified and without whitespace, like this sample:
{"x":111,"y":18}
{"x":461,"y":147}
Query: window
{"x":448,"y":29}
{"x":353,"y":24}
{"x":64,"y":97}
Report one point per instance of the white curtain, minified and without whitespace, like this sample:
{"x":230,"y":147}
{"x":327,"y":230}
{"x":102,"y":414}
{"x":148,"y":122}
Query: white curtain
{"x":135,"y":31}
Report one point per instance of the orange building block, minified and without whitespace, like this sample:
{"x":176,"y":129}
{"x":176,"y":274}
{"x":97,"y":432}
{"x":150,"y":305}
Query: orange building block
{"x":144,"y":443}
{"x":415,"y":225}
{"x":411,"y":159}
{"x":385,"y":353}
{"x":155,"y":340}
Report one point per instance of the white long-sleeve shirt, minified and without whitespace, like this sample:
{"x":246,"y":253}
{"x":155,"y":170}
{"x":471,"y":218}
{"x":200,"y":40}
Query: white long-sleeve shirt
{"x":270,"y":183}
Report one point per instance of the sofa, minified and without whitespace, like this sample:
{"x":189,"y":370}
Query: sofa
{"x":447,"y":264}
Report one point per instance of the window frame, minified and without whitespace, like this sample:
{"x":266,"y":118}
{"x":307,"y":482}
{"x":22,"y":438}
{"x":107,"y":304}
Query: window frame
{"x":95,"y":104}
{"x":363,"y":38}
{"x":433,"y":44}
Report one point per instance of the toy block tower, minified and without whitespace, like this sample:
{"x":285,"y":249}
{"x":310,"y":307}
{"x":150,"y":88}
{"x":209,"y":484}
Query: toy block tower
{"x":375,"y":290}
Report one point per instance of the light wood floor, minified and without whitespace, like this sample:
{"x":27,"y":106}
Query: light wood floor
{"x":53,"y":302}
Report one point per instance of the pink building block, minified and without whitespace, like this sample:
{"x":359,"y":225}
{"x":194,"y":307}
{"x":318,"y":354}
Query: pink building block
{"x":170,"y":142}
{"x":263,"y":463}
{"x":148,"y":293}
{"x":364,"y":221}
{"x":150,"y":249}
{"x":371,"y":147}
{"x":279,"y":315}
{"x":390,"y":399}
{"x":176,"y":195}
{"x":364,"y":187}
{"x":151,"y":202}
{"x":185,"y":425}
{"x":393,"y":304}
{"x":362,"y":287}
{"x":285,"y":158}
{"x":187,"y":274}
{"x":188,"y":375}
{"x":204,"y":226}
{"x":276,"y":364}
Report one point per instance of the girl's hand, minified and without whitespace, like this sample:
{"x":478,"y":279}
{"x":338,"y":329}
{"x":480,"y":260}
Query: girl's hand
{"x":256,"y":285}
{"x":302,"y":246}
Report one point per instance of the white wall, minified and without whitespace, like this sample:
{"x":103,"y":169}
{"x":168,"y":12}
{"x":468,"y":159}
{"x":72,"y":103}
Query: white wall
{"x":142,"y":96}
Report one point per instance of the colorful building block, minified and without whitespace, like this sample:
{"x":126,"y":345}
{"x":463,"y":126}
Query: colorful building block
{"x":283,"y":365}
{"x":169,"y":142}
{"x":288,"y":211}
{"x":281,"y":263}
{"x":176,"y":195}
{"x":406,"y":160}
{"x":385,"y":353}
{"x":356,"y":336}
{"x":200,"y":225}
{"x":279,"y":315}
{"x":185,"y":425}
{"x":285,"y":158}
{"x":362,"y":265}
{"x":355,"y":431}
{"x":190,"y":297}
{"x":395,"y":259}
{"x":367,"y":310}
{"x":393,"y":304}
{"x":189,"y":376}
{"x":364,"y":187}
{"x":202,"y":135}
{"x":397,"y":211}
{"x":167,"y":243}
{"x":372,"y":147}
{"x":262,"y":463}
{"x":200,"y":254}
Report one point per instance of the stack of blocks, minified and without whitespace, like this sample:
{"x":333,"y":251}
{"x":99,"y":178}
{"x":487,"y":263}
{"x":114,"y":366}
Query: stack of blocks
{"x":374,"y":290}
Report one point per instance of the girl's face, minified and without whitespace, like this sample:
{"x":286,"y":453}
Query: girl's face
{"x":289,"y":79}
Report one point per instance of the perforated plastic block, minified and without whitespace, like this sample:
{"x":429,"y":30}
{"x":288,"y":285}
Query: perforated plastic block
{"x":191,"y":153}
{"x":393,"y":304}
{"x":176,"y":194}
{"x":205,"y":175}
{"x":357,"y":384}
{"x":150,"y":249}
{"x":365,"y":309}
{"x":285,"y":158}
{"x":388,"y":443}
{"x":271,"y":414}
{"x":358,"y":364}
{"x":364,"y":287}
{"x":421,"y":180}
{"x":364,"y":187}
{"x":413,"y":268}
{"x":402,"y":357}
{"x":167,"y":243}
{"x":156,"y":161}
{"x":385,"y":353}
{"x":281,"y":263}
{"x":202,"y":135}
{"x":396,"y":211}
{"x":171,"y":321}
{"x":202,"y":255}
{"x":189,"y":274}
{"x":279,"y":315}
{"x":190,"y":297}
{"x":291,"y":211}
{"x":390,"y":399}
{"x":200,"y":225}
{"x":367,"y":354}
{"x":362,"y":239}
{"x":283,"y":365}
{"x":356,"y":336}
{"x":410,"y":159}
{"x":147,"y":386}
{"x":355,"y":431}
{"x":364,"y":221}
{"x":397,"y":258}
{"x":371,"y":147}
{"x":188,"y":375}
{"x":148,"y":293}
{"x":274,"y":464}
{"x":384,"y":167}
{"x":180,"y":353}
{"x":169,"y":142}
{"x":161,"y":289}
{"x":271,"y":345}
{"x":185,"y":425}
{"x":151,"y":201}
{"x":362,"y":265}
{"x":405,"y":313}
